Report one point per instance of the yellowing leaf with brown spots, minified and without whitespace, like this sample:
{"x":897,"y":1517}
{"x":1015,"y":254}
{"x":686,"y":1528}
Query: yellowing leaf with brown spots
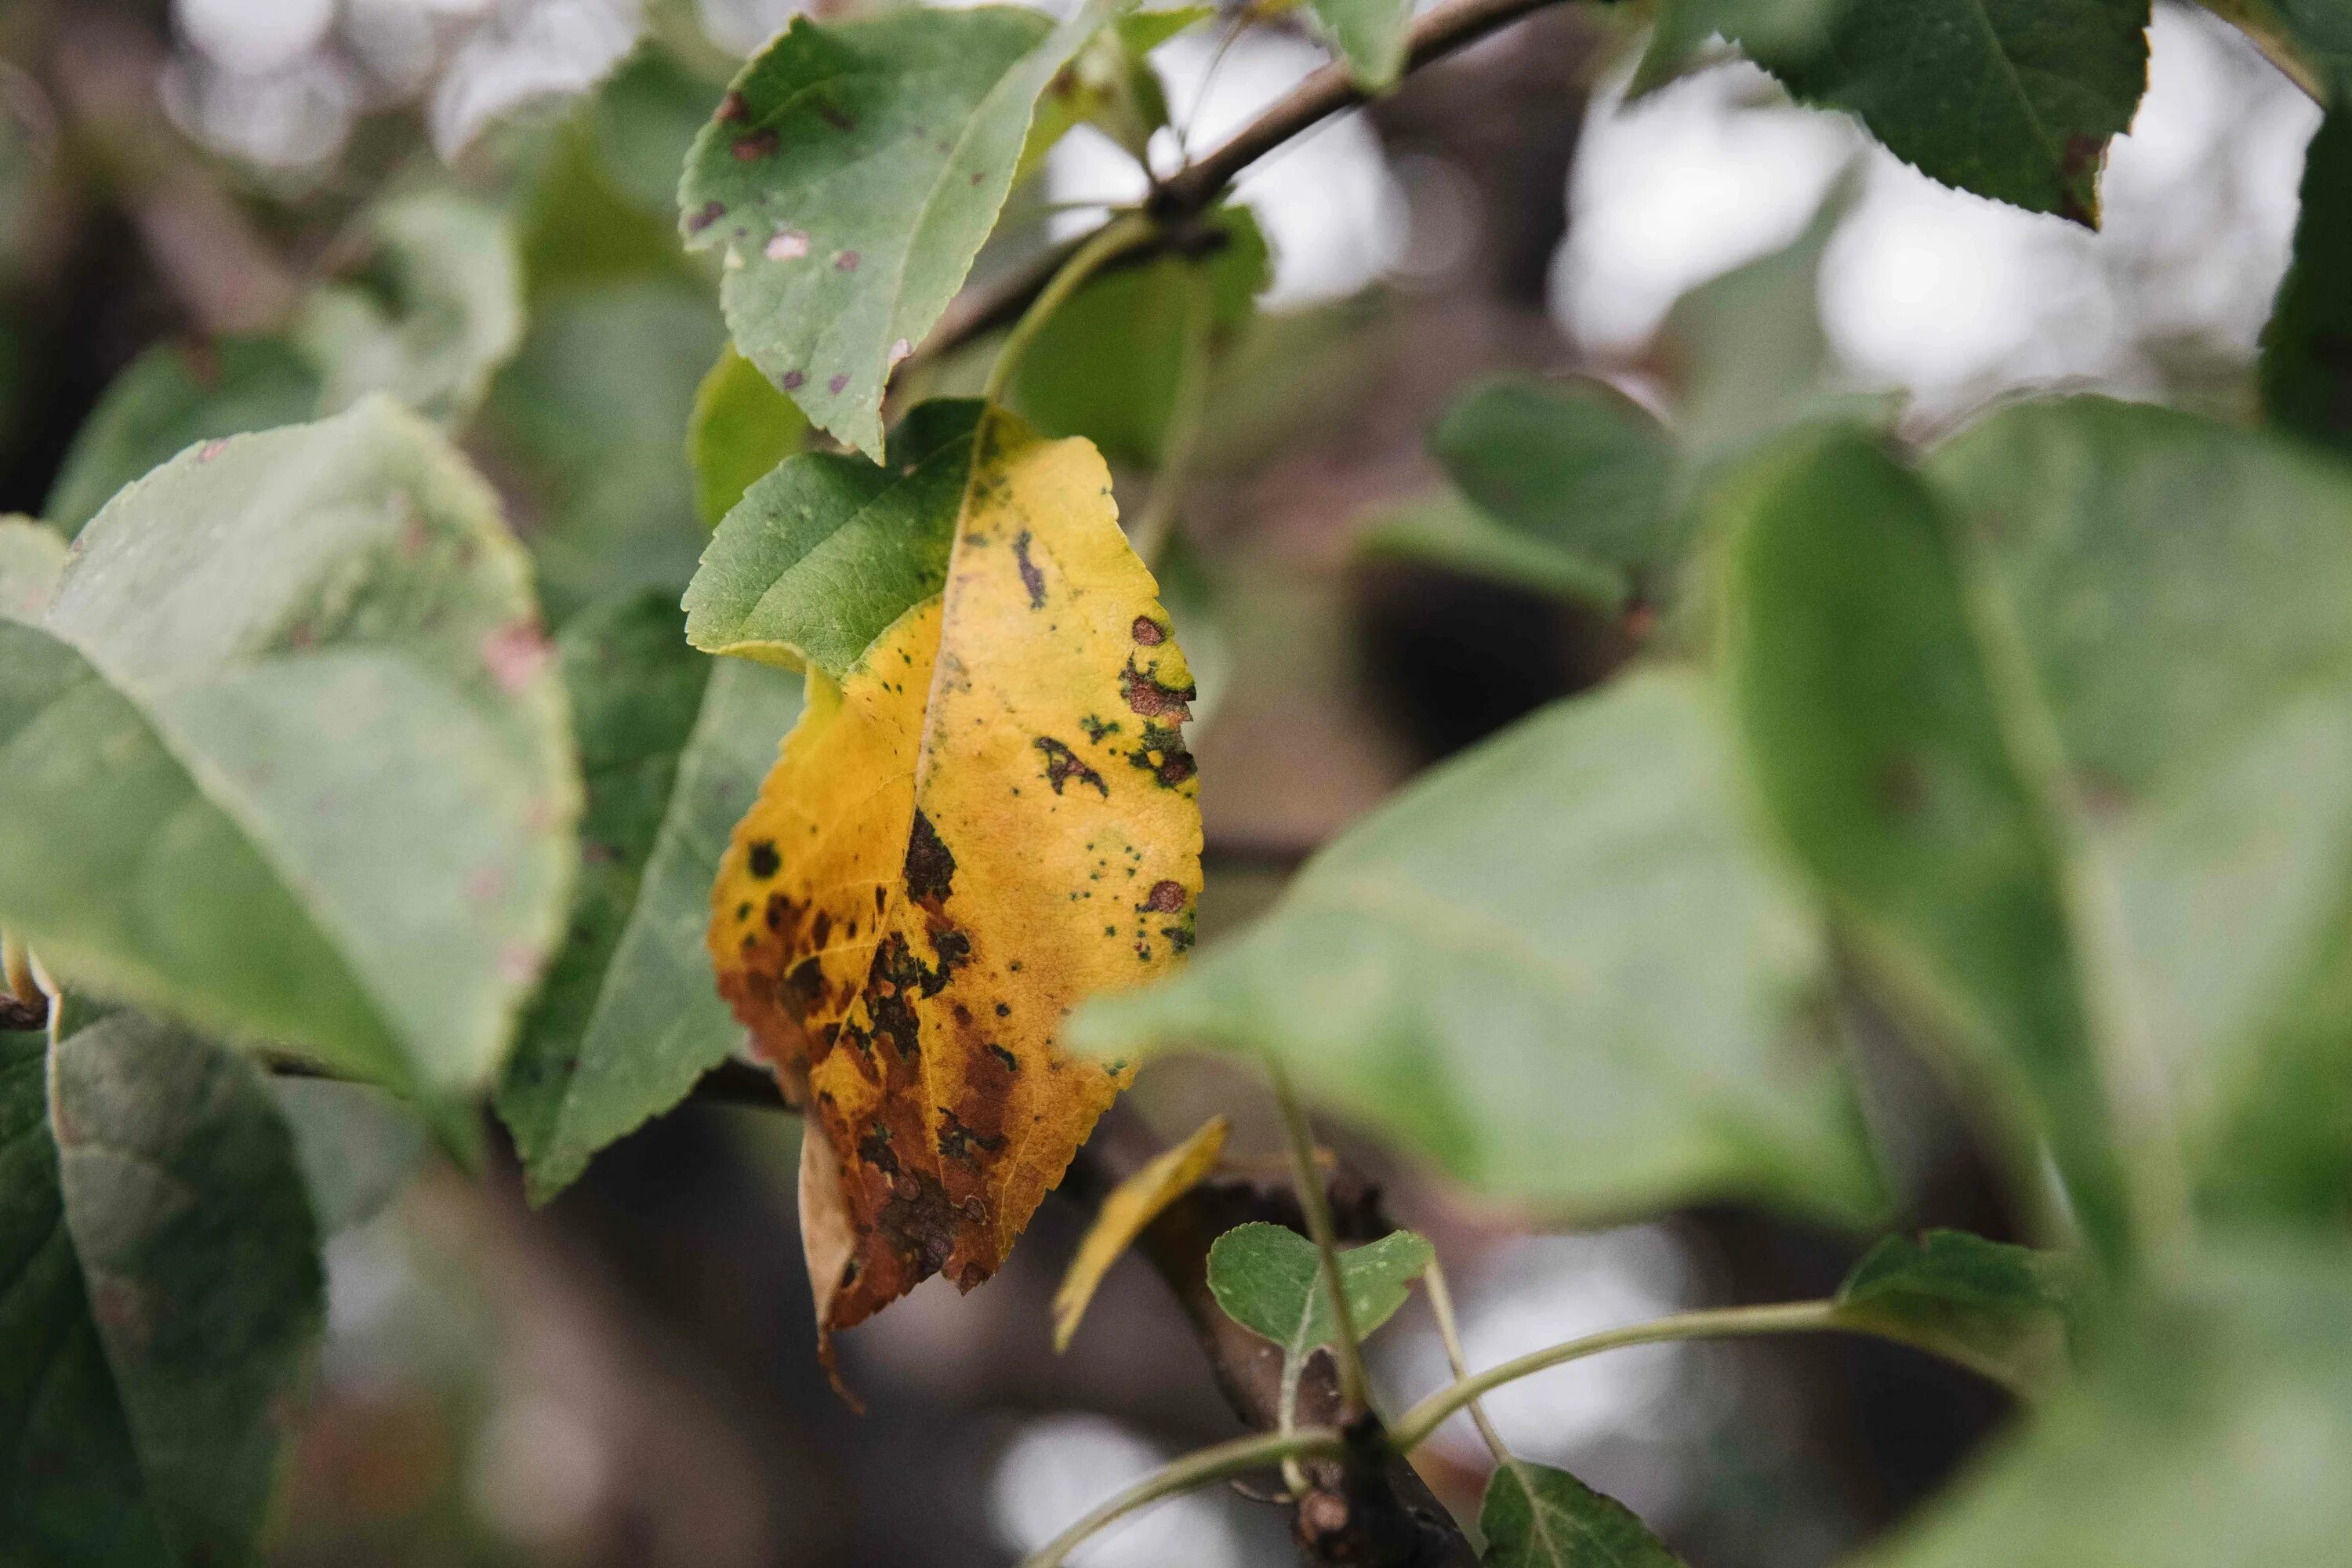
{"x":1132,"y":1205}
{"x":984,"y":818}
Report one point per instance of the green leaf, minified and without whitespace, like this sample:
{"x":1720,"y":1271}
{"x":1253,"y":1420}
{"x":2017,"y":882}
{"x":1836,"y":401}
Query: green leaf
{"x":434,"y":309}
{"x":2306,"y":368}
{"x":1110,"y":364}
{"x":824,"y":552}
{"x":1875,"y":739}
{"x":1269,"y":1280}
{"x":850,"y":177}
{"x":591,"y":413}
{"x":2015,"y":99}
{"x":2174,"y":601}
{"x":32,"y":557}
{"x":172,"y":397}
{"x":2004,"y":1310}
{"x":2320,"y":30}
{"x":286,"y":758}
{"x":2212,"y":1431}
{"x":358,"y":1146}
{"x":1537,"y":1517}
{"x":1570,"y":484}
{"x":673,"y":745}
{"x":1557,"y":966}
{"x":742,"y":428}
{"x":1448,"y":531}
{"x":162,"y":1291}
{"x":1370,"y":36}
{"x":1110,"y":85}
{"x":1768,"y":27}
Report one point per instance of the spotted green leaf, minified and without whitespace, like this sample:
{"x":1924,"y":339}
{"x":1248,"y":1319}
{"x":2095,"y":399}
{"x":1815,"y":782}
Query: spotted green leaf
{"x":1269,"y":1280}
{"x":1538,"y":1517}
{"x":1559,"y":966}
{"x":288,"y":759}
{"x":161,"y":1292}
{"x":673,"y":745}
{"x":849,"y":178}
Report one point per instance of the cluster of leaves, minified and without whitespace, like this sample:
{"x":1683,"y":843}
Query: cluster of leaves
{"x":318,"y":764}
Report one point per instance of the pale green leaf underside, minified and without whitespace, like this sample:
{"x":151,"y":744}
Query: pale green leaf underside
{"x":1557,"y":966}
{"x":1370,"y":36}
{"x":674,"y":746}
{"x":287,"y":757}
{"x":851,"y":178}
{"x":1269,"y":1280}
{"x":1538,"y":1517}
{"x":32,"y":558}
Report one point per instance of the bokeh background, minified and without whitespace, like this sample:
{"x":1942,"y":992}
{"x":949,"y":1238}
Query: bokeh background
{"x":628,"y":1376}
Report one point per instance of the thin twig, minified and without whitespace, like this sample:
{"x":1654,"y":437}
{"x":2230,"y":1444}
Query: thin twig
{"x":1441,"y":1302}
{"x":1188,"y":1474}
{"x":1121,"y":234}
{"x":1355,"y":1389}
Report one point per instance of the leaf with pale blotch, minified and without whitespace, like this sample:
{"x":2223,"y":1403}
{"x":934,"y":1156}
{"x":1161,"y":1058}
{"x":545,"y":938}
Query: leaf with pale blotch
{"x":742,"y":428}
{"x":287,"y":757}
{"x":160,"y":1292}
{"x":1132,"y":1205}
{"x":2004,"y":1310}
{"x":1538,"y":1517}
{"x":32,"y":558}
{"x":1269,"y":1280}
{"x":672,"y":747}
{"x":850,"y":177}
{"x":986,"y":813}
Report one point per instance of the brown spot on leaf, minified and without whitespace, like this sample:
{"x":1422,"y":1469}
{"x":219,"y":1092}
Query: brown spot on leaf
{"x":1150,"y":699}
{"x":931,"y":867}
{"x":846,"y":262}
{"x":1030,"y":578}
{"x":793,"y":380}
{"x":732,"y":108}
{"x":515,"y":654}
{"x":763,"y":860}
{"x":1166,"y":897}
{"x":711,"y":212}
{"x":837,"y":383}
{"x":1148,"y":632}
{"x":759,"y":144}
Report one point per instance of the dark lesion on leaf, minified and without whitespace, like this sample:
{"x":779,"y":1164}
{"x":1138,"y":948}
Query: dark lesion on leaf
{"x":1150,"y":698}
{"x":958,"y":1139}
{"x":1095,"y":729}
{"x":1162,"y":753}
{"x":763,"y":860}
{"x":931,"y":866}
{"x":1032,"y":579}
{"x":1063,"y":765}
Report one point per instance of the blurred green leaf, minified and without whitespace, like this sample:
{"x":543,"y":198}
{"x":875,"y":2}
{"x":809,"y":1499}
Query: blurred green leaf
{"x":1369,"y":34}
{"x":1110,"y":364}
{"x":2213,"y":1430}
{"x":1557,"y":966}
{"x":1768,"y":27}
{"x":32,"y":557}
{"x":834,"y":276}
{"x":2015,"y":99}
{"x":1111,"y":86}
{"x":172,"y":397}
{"x":580,"y":231}
{"x":288,"y":759}
{"x":162,"y":1291}
{"x":594,"y":412}
{"x":742,"y":428}
{"x":826,"y":552}
{"x":1874,"y":735}
{"x":1538,"y":1517}
{"x":1447,"y":531}
{"x":1269,"y":1280}
{"x":2306,"y":368}
{"x":434,"y":308}
{"x":2004,"y":1310}
{"x":673,"y":745}
{"x":357,"y":1145}
{"x":2172,"y":602}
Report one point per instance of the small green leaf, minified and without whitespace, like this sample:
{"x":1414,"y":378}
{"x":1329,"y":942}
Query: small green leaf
{"x":673,"y":745}
{"x":171,"y":398}
{"x":1370,"y":36}
{"x":1876,"y":743}
{"x":826,"y":552}
{"x":1269,"y":1280}
{"x":1560,"y":966}
{"x":2306,"y":368}
{"x":850,"y":177}
{"x":288,"y":759}
{"x":590,"y":414}
{"x":2004,"y":1310}
{"x":32,"y":558}
{"x":742,"y":428}
{"x":1538,"y":1517}
{"x":162,"y":1293}
{"x":434,"y":309}
{"x":2213,"y":1430}
{"x":2015,"y":99}
{"x":1109,"y":365}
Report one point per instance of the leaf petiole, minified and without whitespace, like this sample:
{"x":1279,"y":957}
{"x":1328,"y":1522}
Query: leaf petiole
{"x":1194,"y":1470}
{"x":1121,"y":235}
{"x":1355,"y":1389}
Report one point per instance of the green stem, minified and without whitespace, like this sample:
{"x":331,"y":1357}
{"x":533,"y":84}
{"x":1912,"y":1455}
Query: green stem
{"x":1355,"y":1388}
{"x":1441,"y":1302}
{"x":1121,"y":234}
{"x":1194,"y":1470}
{"x":1150,"y":533}
{"x":1413,"y":1428}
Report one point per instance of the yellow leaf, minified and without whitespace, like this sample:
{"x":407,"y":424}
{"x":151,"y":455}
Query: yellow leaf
{"x":1132,"y":1205}
{"x":989,"y":818}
